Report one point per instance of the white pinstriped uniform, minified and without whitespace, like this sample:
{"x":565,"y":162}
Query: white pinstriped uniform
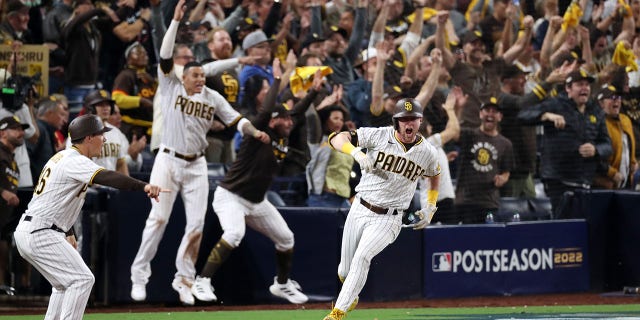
{"x":392,"y":185}
{"x":57,"y":199}
{"x":115,"y":148}
{"x":445,"y":188}
{"x":186,"y":120}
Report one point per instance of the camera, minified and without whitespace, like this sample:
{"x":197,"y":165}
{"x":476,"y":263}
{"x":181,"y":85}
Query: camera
{"x":17,"y":89}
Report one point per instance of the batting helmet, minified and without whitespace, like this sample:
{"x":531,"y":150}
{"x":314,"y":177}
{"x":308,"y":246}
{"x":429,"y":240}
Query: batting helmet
{"x":86,"y":125}
{"x":406,"y":108}
{"x":95,"y":97}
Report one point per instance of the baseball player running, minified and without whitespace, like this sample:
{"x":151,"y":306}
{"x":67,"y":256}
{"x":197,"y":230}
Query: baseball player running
{"x":240,"y":198}
{"x":57,"y":199}
{"x":396,"y":157}
{"x":188,"y":113}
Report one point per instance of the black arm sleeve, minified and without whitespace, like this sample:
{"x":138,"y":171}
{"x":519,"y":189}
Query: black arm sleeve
{"x":166,"y":65}
{"x":118,"y":181}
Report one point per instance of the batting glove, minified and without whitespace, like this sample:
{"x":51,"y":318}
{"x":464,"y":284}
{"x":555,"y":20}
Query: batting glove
{"x":425,"y":215}
{"x":365,"y":163}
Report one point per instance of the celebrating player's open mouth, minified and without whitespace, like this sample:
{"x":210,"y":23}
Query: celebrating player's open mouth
{"x":408,"y":129}
{"x":193,"y":78}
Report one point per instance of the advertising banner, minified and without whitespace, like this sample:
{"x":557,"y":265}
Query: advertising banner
{"x":32,"y":63}
{"x":505,"y":259}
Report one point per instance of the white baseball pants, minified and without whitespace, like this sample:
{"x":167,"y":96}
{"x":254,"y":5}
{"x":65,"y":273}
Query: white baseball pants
{"x":365,"y":235}
{"x":233,"y":211}
{"x":50,"y":253}
{"x":190,"y":178}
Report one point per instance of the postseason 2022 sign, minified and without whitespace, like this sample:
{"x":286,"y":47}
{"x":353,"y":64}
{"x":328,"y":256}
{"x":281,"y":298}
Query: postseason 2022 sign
{"x":505,"y":259}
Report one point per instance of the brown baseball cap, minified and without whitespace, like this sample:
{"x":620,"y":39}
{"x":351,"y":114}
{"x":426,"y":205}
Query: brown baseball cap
{"x":607,"y":91}
{"x":471,"y":36}
{"x":491,"y":102}
{"x":280,"y":111}
{"x":577,"y":76}
{"x":17,"y":6}
{"x":86,"y":125}
{"x":12,"y":122}
{"x":392,"y":92}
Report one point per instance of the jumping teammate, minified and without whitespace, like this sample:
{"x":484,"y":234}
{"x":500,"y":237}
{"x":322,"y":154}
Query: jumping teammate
{"x":240,"y":196}
{"x":188,"y":113}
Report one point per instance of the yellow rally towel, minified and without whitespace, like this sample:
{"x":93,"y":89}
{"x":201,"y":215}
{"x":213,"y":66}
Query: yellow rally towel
{"x":626,"y":9}
{"x":427,"y":13}
{"x":572,"y":16}
{"x":624,"y":57}
{"x":303,"y":77}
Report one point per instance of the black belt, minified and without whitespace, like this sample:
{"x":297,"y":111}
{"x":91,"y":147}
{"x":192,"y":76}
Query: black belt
{"x":189,"y":158}
{"x":53,"y":226}
{"x":375,"y":209}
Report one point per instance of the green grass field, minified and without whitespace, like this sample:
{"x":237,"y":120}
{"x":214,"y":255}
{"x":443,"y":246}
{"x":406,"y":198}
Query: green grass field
{"x":627,"y":311}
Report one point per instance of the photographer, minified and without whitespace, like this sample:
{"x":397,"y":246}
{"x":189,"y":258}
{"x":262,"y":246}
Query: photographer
{"x":22,"y":107}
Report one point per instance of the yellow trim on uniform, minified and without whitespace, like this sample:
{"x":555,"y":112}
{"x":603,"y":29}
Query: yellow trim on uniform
{"x":404,"y":58}
{"x":94,"y":175}
{"x":541,"y":89}
{"x":137,"y":122}
{"x":420,"y":139}
{"x":471,"y":7}
{"x":331,"y":135}
{"x":125,"y":101}
{"x":233,"y":123}
{"x":537,"y":92}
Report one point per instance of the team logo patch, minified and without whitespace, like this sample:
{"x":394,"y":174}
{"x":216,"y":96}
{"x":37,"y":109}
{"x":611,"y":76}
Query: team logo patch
{"x":408,"y":106}
{"x":483,"y":156}
{"x":593,"y":119}
{"x":441,"y":262}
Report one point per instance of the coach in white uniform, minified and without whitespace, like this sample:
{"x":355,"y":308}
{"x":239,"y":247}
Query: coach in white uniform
{"x":57,"y":199}
{"x":396,"y":158}
{"x":114,"y":151}
{"x":188,"y":113}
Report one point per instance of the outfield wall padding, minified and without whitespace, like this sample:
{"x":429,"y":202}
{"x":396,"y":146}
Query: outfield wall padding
{"x":398,"y":273}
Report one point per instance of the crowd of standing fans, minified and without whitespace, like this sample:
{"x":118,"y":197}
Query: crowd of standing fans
{"x":514,"y":94}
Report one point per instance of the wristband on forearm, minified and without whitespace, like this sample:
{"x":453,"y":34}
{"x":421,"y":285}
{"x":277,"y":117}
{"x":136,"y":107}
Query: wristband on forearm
{"x":432,"y":197}
{"x":348,"y":148}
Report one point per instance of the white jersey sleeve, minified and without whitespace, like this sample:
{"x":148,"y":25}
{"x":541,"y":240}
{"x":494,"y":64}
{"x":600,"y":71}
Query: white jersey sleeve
{"x":224,"y":110}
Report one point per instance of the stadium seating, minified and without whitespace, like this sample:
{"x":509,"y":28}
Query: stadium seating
{"x":529,"y":209}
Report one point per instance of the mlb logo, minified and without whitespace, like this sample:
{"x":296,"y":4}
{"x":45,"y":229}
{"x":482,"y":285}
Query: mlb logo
{"x":441,"y":262}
